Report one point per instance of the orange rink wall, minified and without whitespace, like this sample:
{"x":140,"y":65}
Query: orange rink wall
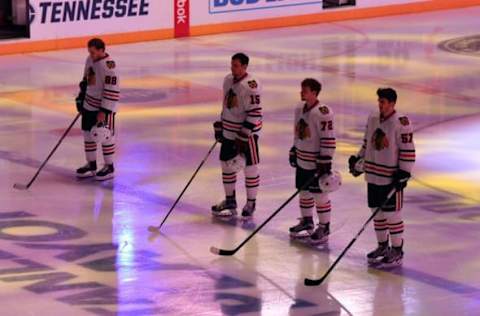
{"x":26,"y":46}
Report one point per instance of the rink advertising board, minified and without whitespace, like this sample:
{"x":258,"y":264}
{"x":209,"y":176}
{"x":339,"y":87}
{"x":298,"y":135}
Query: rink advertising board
{"x":58,"y":24}
{"x":182,"y":18}
{"x":74,"y":18}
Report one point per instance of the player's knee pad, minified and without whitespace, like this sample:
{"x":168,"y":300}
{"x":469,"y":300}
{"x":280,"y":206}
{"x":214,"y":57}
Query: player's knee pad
{"x":87,"y":136}
{"x":380,"y":215}
{"x":393,"y":217}
{"x":305,"y":195}
{"x":226,"y":168}
{"x":251,"y":171}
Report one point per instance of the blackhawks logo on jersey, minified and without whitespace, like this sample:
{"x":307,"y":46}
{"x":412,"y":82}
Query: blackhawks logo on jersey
{"x":91,"y":77}
{"x":324,"y":110}
{"x":253,"y":84}
{"x":110,"y":64}
{"x":231,"y":99}
{"x":302,"y":130}
{"x":404,"y":120}
{"x":380,"y":139}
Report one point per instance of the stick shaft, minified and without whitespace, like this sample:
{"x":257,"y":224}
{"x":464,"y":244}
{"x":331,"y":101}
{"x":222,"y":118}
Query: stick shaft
{"x":54,"y":150}
{"x":350,"y":244}
{"x":275,"y":213}
{"x":357,"y":235}
{"x":188,"y":183}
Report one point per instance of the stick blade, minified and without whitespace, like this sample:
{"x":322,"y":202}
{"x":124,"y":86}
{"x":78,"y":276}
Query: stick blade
{"x":20,"y":186}
{"x":221,"y":252}
{"x":310,"y":282}
{"x":154,"y":229}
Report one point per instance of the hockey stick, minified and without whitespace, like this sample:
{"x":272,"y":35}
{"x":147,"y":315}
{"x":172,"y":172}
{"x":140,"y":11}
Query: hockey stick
{"x":315,"y":282}
{"x":224,"y":252}
{"x":154,"y":229}
{"x":20,"y":186}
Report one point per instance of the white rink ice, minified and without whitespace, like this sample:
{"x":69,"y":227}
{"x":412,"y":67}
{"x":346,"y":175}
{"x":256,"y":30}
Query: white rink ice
{"x":82,"y":248}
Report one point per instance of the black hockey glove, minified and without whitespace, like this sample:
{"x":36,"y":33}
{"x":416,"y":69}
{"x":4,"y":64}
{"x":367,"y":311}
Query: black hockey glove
{"x":218,"y":128}
{"x":292,"y":157}
{"x":79,"y":104}
{"x":400,"y":179}
{"x":352,"y":161}
{"x":83,"y":86}
{"x":81,"y":95}
{"x":241,"y":142}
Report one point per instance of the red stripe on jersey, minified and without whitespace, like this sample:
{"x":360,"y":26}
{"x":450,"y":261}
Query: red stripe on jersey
{"x":232,"y":126}
{"x":375,"y":169}
{"x":93,"y":98}
{"x":307,"y":156}
{"x":93,"y":101}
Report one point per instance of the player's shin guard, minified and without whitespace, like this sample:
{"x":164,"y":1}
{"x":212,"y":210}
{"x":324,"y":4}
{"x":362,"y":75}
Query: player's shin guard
{"x":324,"y":207}
{"x":90,"y":147}
{"x":108,"y":149}
{"x":381,"y":227}
{"x":307,"y":203}
{"x":252,"y":182}
{"x":229,"y":181}
{"x":396,"y":228}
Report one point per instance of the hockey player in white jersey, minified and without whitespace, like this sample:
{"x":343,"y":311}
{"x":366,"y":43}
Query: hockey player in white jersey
{"x":312,"y":153}
{"x":388,"y":154}
{"x":238,"y":131}
{"x":97,"y":102}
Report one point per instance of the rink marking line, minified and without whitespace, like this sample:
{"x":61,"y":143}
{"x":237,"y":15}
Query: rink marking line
{"x":27,"y":46}
{"x":435,"y":281}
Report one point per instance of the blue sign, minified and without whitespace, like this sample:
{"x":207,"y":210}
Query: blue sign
{"x":225,"y":6}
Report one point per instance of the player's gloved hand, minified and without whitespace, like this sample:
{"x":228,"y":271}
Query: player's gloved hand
{"x":400,"y":179}
{"x":292,"y":157}
{"x":218,"y":128}
{"x":241,"y":142}
{"x":83,"y":86}
{"x":323,"y":168}
{"x":79,"y":104}
{"x":352,"y":161}
{"x":81,"y":95}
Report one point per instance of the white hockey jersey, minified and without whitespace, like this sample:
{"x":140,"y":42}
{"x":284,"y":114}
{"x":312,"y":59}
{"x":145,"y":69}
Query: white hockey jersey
{"x":103,"y":89}
{"x":314,"y":135}
{"x":242,"y":109}
{"x":387,"y":146}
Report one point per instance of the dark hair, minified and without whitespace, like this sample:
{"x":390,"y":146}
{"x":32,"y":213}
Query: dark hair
{"x":387,"y":93}
{"x":313,"y":84}
{"x":242,"y":58}
{"x":97,"y":43}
